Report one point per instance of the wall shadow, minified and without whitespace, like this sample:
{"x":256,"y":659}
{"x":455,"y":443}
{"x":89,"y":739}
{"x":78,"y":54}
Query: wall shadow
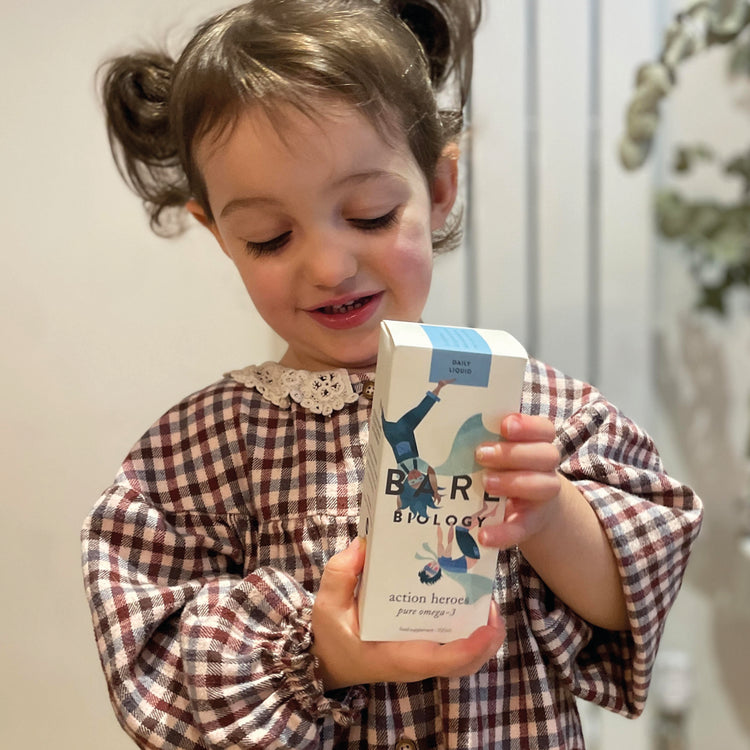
{"x":695,"y":385}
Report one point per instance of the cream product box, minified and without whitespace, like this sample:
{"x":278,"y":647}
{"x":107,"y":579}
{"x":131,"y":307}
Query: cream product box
{"x":439,"y":392}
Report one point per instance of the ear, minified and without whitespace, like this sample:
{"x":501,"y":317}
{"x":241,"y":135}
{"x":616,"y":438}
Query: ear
{"x":200,"y":215}
{"x":444,"y":186}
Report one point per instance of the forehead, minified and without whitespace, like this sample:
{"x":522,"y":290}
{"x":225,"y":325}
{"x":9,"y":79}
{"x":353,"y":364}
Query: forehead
{"x":285,"y":153}
{"x":302,"y":131}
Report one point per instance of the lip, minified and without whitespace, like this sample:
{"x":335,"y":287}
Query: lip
{"x":351,"y":318}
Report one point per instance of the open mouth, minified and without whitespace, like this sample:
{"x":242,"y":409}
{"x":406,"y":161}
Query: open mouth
{"x":351,"y":314}
{"x":348,"y":307}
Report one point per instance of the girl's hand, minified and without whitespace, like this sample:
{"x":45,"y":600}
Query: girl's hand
{"x":546,"y":515}
{"x":346,"y":660}
{"x":522,"y":468}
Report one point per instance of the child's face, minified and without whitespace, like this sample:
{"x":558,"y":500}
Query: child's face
{"x":329,"y":227}
{"x":415,"y":478}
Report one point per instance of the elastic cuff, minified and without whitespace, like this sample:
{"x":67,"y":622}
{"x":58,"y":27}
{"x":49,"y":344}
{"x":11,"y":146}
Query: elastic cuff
{"x":299,"y":667}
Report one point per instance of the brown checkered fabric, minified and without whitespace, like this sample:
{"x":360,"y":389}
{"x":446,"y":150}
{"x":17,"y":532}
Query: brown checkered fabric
{"x":201,"y":563}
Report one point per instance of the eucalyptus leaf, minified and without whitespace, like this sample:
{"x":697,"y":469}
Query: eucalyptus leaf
{"x":656,"y":76}
{"x":633,"y":153}
{"x":740,"y":166}
{"x":715,"y":236}
{"x":726,"y":18}
{"x":739,"y":59}
{"x":642,"y":125}
{"x":728,"y":247}
{"x":706,"y":220}
{"x":686,"y":157}
{"x":673,"y":214}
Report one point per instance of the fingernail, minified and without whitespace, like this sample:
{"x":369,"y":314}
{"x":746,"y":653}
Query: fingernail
{"x":490,"y":481}
{"x":482,"y":453}
{"x":512,"y":426}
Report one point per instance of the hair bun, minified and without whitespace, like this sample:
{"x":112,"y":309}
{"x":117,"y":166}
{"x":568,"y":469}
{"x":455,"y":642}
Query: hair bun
{"x":142,"y":83}
{"x":135,"y":91}
{"x":429,"y":25}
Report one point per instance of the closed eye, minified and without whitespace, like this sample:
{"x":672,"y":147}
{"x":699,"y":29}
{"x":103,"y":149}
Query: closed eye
{"x":268,"y":246}
{"x":379,"y":222}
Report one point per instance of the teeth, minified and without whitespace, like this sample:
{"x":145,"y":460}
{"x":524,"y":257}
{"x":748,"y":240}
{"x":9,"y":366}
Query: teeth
{"x":337,"y":309}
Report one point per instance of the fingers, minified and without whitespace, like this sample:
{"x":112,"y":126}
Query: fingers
{"x":409,"y":661}
{"x":530,"y":456}
{"x":527,"y":446}
{"x":522,"y":467}
{"x":343,"y":659}
{"x":526,"y":428}
{"x":467,"y":655}
{"x":504,"y":535}
{"x":529,"y":485}
{"x":334,"y":618}
{"x":339,"y":579}
{"x":495,"y":619}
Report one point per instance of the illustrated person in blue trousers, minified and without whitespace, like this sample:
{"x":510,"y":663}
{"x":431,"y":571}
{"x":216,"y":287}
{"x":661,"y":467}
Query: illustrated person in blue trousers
{"x":420,"y":489}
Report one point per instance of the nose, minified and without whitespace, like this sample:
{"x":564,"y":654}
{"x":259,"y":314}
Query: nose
{"x":330,"y":258}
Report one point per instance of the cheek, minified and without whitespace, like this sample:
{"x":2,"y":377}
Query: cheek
{"x":413,"y":253}
{"x":266,"y":293}
{"x":413,"y":269}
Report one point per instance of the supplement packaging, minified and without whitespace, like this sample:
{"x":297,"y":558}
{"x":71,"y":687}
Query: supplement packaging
{"x":440,"y":391}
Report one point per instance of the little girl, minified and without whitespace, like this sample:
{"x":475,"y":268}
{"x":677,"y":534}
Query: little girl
{"x":221,"y":564}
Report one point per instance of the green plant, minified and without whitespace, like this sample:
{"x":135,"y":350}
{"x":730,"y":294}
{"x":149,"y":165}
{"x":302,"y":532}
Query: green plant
{"x":715,"y":234}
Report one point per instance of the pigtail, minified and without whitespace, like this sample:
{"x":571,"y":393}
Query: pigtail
{"x":445,"y":30}
{"x":135,"y":92}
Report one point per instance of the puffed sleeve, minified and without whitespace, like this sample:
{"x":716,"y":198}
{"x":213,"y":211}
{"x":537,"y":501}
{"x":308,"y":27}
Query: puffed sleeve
{"x":651,"y":521}
{"x":197,"y":651}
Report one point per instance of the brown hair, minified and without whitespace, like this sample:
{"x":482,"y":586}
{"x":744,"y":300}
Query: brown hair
{"x":391,"y":59}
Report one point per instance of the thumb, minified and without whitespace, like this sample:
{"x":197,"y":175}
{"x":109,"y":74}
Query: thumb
{"x":503,"y":535}
{"x":340,"y":575}
{"x":512,"y":530}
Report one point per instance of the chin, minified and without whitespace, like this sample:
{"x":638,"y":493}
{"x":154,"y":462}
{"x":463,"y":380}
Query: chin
{"x":359,"y":354}
{"x":363,"y":366}
{"x":357,"y":363}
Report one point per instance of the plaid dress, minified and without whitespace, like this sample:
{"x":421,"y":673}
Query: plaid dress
{"x":201,"y":563}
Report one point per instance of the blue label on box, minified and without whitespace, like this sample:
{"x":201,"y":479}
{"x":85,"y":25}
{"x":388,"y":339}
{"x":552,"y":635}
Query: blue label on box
{"x":459,"y":354}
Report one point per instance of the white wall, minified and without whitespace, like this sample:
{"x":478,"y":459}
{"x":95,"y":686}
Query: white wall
{"x":534,"y":167}
{"x":704,"y":390}
{"x":105,"y":325}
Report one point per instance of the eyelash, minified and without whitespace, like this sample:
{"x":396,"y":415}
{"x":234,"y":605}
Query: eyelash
{"x":269,"y":247}
{"x":379,"y":223}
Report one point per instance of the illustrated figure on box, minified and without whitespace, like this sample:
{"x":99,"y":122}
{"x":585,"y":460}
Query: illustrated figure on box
{"x":461,"y":459}
{"x":459,"y":568}
{"x":420,"y":488}
{"x":420,"y":491}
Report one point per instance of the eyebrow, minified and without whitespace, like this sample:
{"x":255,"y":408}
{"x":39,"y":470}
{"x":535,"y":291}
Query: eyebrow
{"x":248,"y":202}
{"x":355,"y":178}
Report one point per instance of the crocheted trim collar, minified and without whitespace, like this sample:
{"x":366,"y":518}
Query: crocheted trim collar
{"x":319,"y":392}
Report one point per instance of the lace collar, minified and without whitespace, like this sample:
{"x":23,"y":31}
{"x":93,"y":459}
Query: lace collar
{"x":319,"y":392}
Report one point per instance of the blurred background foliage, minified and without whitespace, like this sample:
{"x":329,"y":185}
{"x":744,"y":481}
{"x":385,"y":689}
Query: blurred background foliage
{"x":715,"y":234}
